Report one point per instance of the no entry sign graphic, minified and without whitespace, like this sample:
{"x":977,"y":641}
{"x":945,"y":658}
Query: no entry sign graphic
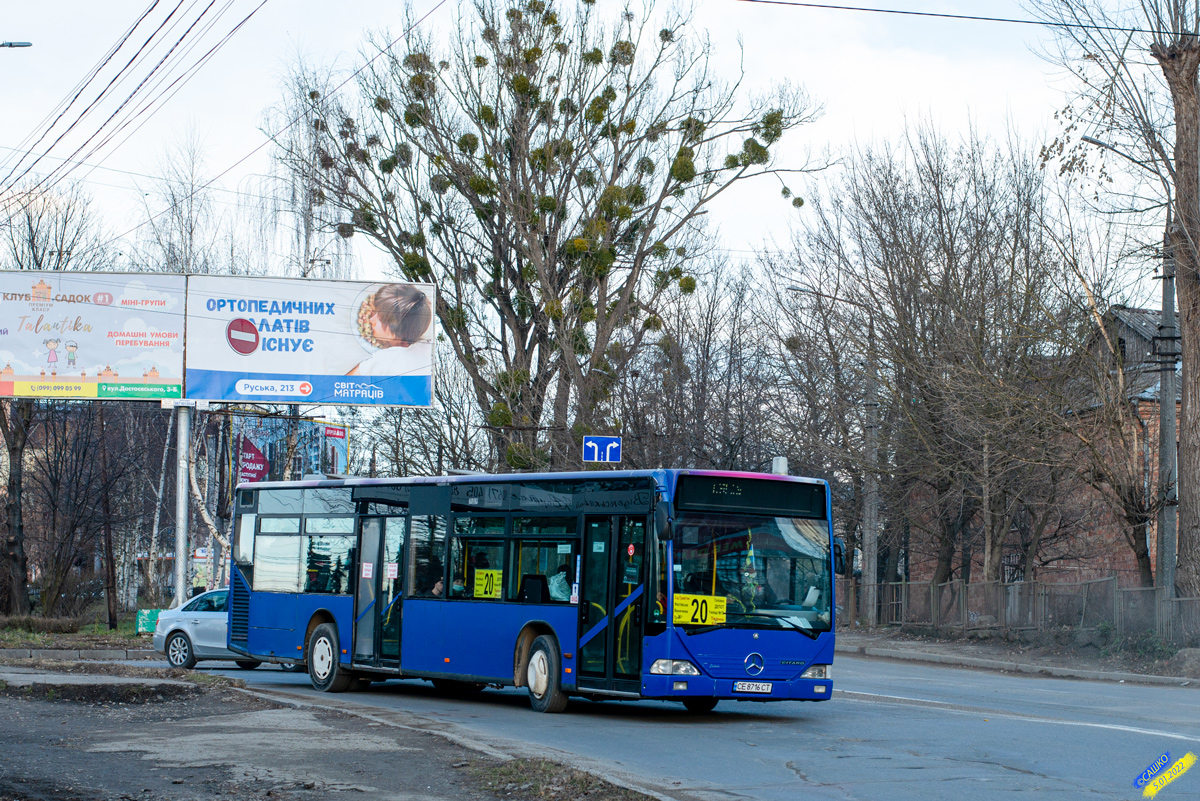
{"x":242,"y":336}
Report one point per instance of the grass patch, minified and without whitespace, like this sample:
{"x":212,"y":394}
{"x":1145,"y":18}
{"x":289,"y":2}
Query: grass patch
{"x":67,"y":633}
{"x":541,"y":778}
{"x":42,"y":625}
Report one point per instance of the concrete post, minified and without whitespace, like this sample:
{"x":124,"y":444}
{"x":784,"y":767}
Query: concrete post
{"x":182,"y":451}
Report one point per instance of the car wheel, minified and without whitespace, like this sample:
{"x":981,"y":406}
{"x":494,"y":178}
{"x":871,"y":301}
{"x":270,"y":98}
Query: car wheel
{"x":700,"y":705}
{"x":295,"y":667}
{"x":324,"y":668}
{"x":179,"y":651}
{"x":544,"y":676}
{"x":247,"y":664}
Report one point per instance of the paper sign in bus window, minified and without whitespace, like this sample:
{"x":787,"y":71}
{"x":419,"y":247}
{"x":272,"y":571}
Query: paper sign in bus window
{"x":368,"y":569}
{"x":393,"y":570}
{"x":487,"y":583}
{"x":698,"y":610}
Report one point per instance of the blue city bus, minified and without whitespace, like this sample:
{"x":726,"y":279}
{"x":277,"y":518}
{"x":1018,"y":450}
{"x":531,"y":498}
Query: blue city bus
{"x":683,"y":585}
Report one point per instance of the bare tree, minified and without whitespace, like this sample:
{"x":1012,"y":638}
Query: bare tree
{"x":1137,"y":68}
{"x":550,"y":171}
{"x":940,"y":251}
{"x":50,"y":231}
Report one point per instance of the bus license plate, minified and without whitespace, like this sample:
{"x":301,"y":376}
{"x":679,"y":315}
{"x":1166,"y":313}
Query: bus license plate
{"x":752,"y":687}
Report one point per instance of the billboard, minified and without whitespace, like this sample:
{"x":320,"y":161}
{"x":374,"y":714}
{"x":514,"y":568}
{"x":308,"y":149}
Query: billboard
{"x":91,"y":335}
{"x":292,"y":340}
{"x":262,"y":445}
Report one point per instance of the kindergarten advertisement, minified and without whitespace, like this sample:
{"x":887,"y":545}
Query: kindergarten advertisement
{"x":91,"y":335}
{"x":292,"y":340}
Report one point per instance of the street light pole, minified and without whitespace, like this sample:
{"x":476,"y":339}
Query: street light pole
{"x":870,"y":512}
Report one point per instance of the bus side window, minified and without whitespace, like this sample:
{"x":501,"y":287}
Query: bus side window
{"x":427,"y":544}
{"x":476,"y":567}
{"x":327,"y":563}
{"x":542,"y":572}
{"x":277,"y":563}
{"x":243,"y":539}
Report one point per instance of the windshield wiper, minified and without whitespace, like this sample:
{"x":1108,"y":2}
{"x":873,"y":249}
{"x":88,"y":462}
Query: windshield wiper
{"x":807,"y":632}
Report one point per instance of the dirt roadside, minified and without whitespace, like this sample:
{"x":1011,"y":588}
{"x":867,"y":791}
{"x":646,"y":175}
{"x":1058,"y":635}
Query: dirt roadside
{"x":218,"y":742}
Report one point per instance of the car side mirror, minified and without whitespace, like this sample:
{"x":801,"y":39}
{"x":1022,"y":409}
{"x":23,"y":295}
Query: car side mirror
{"x":662,"y":521}
{"x":839,"y":556}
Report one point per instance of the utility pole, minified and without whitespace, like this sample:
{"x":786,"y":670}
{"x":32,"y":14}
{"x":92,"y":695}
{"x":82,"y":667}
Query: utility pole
{"x":871,"y":482}
{"x":1168,"y":353}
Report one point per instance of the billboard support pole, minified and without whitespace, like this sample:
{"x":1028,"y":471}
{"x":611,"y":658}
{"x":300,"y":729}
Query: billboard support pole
{"x":182,"y":452}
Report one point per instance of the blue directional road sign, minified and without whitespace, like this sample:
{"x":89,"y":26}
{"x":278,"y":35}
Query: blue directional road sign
{"x":601,"y":449}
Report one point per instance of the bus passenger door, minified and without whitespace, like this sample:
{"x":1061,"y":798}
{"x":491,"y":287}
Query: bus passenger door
{"x":370,"y":539}
{"x":391,"y":590}
{"x":611,"y":604}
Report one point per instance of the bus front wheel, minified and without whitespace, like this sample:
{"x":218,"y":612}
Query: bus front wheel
{"x":544,"y":676}
{"x":324,"y":667}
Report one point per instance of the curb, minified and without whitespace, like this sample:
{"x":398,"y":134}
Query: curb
{"x":1012,"y":667}
{"x":98,"y":655}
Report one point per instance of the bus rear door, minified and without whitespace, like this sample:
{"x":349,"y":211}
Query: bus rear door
{"x":611,"y":604}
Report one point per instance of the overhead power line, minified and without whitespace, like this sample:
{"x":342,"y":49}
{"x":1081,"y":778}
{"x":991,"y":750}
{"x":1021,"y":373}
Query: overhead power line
{"x":66,"y":103}
{"x":162,"y":81}
{"x":285,"y":127}
{"x":971,"y":17}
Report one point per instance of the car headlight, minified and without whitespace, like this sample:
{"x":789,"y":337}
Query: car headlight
{"x":674,"y":667}
{"x":818,"y":672}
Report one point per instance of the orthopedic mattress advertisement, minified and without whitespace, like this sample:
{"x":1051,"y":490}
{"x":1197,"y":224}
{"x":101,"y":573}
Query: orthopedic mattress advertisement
{"x":91,"y":335}
{"x":279,"y":340}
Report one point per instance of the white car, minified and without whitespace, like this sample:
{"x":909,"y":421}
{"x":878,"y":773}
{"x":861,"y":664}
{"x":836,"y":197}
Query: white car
{"x":196,"y":631}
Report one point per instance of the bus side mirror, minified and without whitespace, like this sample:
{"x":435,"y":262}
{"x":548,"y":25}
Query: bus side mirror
{"x":662,"y":522}
{"x":839,"y":556}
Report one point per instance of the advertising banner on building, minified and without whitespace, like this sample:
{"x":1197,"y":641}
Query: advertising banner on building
{"x":262,"y":446}
{"x":91,"y":335}
{"x":291,"y":340}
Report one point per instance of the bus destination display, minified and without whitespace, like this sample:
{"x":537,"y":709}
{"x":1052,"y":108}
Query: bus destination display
{"x":728,"y":494}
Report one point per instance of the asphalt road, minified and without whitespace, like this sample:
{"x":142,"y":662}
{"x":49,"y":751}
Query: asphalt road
{"x":891,"y":731}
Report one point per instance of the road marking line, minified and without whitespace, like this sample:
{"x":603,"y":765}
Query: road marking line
{"x":865,"y":697}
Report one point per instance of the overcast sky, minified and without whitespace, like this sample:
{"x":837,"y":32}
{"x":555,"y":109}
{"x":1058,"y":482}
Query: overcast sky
{"x":874,"y":73}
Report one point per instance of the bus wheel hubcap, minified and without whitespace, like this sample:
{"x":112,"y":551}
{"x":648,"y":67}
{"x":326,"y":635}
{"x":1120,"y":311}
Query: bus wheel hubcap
{"x":538,"y":674}
{"x":322,"y":658}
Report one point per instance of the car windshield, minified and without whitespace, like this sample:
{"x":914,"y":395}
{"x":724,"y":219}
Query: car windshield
{"x":772,"y":572}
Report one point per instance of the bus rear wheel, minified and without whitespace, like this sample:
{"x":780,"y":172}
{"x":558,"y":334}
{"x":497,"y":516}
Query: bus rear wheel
{"x":700,"y":705}
{"x":544,"y":676}
{"x":324,"y":668}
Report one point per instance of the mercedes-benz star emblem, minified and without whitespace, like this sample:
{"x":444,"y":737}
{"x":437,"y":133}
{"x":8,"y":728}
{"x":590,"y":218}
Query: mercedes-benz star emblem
{"x":754,"y":664}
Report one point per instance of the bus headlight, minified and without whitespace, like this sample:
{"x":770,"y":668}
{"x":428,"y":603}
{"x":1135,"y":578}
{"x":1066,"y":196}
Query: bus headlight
{"x":818,"y":672}
{"x":674,"y":667}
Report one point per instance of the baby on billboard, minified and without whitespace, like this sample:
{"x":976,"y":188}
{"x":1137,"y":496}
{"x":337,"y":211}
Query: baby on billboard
{"x":397,"y":319}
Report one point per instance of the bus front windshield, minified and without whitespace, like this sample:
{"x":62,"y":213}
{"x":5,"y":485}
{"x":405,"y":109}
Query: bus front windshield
{"x":773,"y":572}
